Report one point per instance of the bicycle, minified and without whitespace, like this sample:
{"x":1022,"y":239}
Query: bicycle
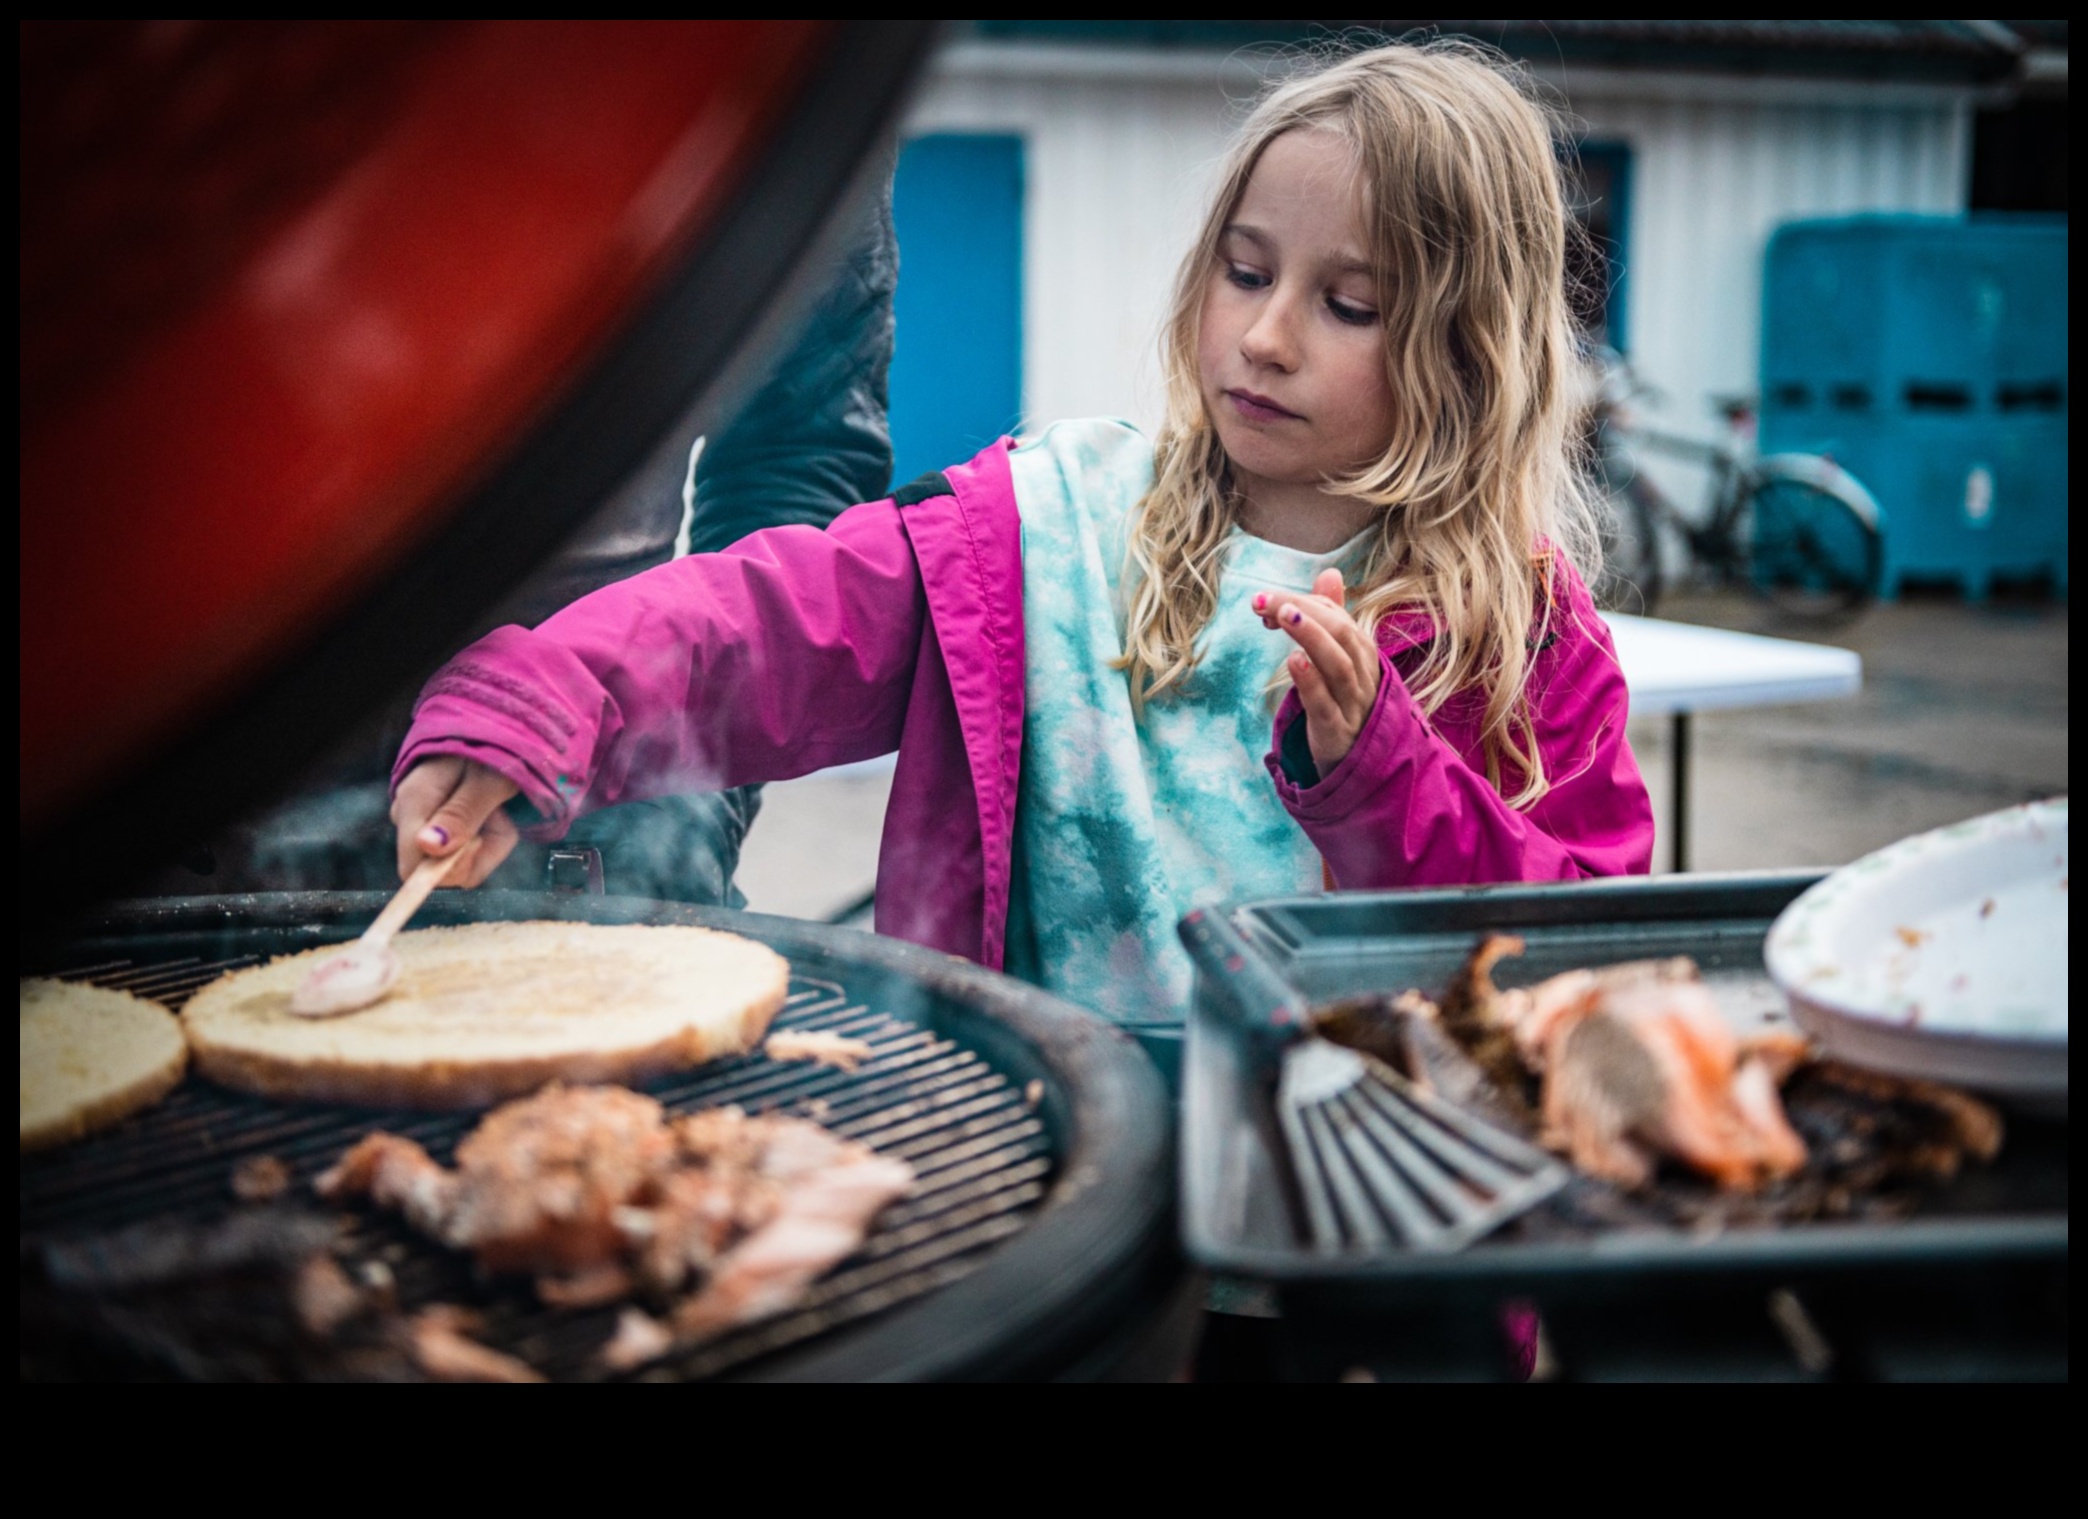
{"x":1796,"y":529}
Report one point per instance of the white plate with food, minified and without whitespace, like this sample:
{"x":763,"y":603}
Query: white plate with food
{"x":1942,"y":956}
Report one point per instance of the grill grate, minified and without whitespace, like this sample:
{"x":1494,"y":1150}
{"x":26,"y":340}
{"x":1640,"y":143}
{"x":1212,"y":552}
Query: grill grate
{"x":983,"y":1158}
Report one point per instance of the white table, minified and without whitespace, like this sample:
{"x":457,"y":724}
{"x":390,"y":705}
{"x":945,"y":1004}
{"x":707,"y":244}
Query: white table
{"x":1680,"y":669}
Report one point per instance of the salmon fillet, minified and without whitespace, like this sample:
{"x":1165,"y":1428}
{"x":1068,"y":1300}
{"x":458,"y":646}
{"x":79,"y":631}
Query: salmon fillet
{"x":600,"y":1194}
{"x":1638,"y":1063}
{"x":537,"y":1184}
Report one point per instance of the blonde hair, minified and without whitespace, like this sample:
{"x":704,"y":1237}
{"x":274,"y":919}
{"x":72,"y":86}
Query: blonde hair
{"x":1466,"y":216}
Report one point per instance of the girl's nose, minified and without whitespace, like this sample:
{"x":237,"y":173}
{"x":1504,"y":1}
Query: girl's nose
{"x":1269,"y":340}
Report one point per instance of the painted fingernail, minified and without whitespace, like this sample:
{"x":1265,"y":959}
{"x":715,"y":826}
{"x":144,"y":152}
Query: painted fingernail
{"x":1293,"y":616}
{"x":436,"y":832}
{"x":1260,"y":601}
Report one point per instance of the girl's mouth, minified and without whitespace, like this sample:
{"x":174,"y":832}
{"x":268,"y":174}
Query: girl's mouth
{"x":1256,"y":408}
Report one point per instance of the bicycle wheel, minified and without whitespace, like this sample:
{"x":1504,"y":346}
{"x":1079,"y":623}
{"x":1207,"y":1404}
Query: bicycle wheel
{"x":1630,"y":580}
{"x":1812,"y":536}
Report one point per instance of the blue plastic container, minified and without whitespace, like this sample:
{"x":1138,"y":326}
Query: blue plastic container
{"x":1969,"y":498}
{"x":1927,"y":355}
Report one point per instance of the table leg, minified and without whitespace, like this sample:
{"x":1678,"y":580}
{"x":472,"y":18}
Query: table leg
{"x":1678,"y":809}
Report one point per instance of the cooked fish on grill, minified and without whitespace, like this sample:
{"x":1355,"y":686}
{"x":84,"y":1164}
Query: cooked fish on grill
{"x":817,"y":1196}
{"x":537,"y":1183}
{"x":597,"y":1192}
{"x":836,"y":1050}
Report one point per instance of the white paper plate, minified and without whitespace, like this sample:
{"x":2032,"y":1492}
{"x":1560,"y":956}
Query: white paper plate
{"x":1942,"y":956}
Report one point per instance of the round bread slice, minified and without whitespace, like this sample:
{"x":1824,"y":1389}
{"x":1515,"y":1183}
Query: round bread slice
{"x":90,"y":1058}
{"x":493,"y":1010}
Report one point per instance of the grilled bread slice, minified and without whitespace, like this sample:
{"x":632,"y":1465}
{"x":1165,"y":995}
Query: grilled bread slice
{"x":90,"y":1058}
{"x":494,"y":1010}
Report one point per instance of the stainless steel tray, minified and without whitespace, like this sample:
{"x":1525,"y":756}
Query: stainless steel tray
{"x":1238,"y":1212}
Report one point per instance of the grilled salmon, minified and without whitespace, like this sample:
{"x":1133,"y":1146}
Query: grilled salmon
{"x":1637,"y":1063}
{"x":600,"y":1194}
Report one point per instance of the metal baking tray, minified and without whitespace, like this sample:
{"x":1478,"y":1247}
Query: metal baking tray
{"x":1239,"y":1211}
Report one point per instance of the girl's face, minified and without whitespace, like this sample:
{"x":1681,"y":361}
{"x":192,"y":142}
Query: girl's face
{"x":1291,"y":356}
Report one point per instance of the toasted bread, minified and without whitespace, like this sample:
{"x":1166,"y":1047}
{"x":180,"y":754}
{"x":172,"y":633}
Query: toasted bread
{"x":90,"y":1058}
{"x":494,"y":1010}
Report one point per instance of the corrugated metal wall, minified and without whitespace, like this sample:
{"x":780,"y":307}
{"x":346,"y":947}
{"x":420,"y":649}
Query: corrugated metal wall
{"x":1711,"y":180}
{"x":1123,"y":148}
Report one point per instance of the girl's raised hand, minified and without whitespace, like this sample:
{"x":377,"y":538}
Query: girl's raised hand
{"x":1335,"y":666}
{"x":442,"y":805}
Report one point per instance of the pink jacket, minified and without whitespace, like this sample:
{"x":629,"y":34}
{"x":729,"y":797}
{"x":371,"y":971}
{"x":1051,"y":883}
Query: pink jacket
{"x":900,"y":627}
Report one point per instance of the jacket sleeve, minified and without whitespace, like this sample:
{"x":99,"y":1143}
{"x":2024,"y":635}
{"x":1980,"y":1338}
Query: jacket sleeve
{"x":1405,"y":808}
{"x":792,"y":651}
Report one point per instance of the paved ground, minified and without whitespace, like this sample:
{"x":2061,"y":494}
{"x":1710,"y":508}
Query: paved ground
{"x":1963,"y":710}
{"x":813,"y":850}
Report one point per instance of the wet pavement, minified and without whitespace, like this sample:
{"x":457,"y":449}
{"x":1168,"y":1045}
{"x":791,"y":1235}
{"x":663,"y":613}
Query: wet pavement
{"x":812,"y":852}
{"x":1963,"y":710}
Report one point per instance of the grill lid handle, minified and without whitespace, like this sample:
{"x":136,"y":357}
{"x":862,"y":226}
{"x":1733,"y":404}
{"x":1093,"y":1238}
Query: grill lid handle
{"x":574,"y":869}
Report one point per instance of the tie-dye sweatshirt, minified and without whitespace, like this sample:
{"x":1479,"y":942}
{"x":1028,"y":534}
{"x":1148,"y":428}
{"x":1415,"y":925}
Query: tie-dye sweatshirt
{"x":1127,"y":821}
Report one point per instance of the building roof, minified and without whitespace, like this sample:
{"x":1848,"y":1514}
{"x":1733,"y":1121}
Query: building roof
{"x":1970,"y":51}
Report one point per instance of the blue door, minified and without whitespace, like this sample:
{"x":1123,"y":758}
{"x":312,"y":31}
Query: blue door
{"x":1603,"y":207}
{"x":957,"y":365}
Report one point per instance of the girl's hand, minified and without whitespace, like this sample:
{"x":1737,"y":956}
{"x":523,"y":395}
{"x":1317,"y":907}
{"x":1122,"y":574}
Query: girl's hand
{"x":442,"y":805}
{"x":1335,"y":666}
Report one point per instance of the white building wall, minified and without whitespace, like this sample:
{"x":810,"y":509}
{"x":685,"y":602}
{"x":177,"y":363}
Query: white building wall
{"x":1123,"y":147}
{"x":1117,"y":165}
{"x":1713,"y":177}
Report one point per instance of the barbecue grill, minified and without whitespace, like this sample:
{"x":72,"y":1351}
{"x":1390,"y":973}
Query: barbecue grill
{"x":1038,"y":1242}
{"x":613,"y":222}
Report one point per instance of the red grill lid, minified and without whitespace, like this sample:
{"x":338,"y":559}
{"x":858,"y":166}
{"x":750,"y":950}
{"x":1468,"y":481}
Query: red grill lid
{"x":298,"y":299}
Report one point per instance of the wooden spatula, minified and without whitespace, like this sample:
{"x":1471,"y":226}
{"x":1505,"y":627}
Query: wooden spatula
{"x":368,"y":968}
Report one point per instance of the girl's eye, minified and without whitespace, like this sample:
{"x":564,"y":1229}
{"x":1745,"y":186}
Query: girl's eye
{"x":1355,"y":316}
{"x":1246,"y":279}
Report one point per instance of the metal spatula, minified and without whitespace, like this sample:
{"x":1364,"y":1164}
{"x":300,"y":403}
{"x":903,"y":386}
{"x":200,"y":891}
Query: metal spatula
{"x":1381,"y":1163}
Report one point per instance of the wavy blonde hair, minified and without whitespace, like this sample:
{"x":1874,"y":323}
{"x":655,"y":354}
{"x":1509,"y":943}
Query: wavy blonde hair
{"x":1465,"y":211}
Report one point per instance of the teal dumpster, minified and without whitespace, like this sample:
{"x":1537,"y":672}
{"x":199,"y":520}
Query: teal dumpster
{"x":1927,"y":355}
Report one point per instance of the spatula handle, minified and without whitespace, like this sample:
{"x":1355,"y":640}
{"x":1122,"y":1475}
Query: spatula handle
{"x":1245,"y":990}
{"x":427,"y":875}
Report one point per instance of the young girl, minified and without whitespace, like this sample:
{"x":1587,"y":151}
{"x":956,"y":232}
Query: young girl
{"x":1363,"y":492}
